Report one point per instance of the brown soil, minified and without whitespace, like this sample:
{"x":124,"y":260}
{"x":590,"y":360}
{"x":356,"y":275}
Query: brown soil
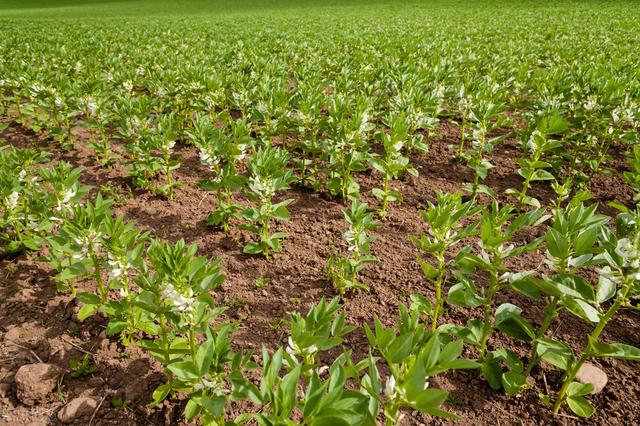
{"x":36,"y":322}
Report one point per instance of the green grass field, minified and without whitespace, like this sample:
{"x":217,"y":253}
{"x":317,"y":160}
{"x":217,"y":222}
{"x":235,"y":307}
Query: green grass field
{"x":58,"y":9}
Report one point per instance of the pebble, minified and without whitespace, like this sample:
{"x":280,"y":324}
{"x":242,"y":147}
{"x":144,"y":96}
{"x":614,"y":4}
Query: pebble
{"x":589,"y":373}
{"x":76,"y":409}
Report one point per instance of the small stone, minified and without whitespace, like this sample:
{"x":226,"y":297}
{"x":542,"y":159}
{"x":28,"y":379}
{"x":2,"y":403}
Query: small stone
{"x":35,"y":382}
{"x":76,"y":409}
{"x":589,"y":373}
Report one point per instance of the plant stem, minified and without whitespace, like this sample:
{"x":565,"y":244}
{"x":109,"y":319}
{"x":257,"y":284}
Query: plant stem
{"x":487,"y":326}
{"x":168,"y":171}
{"x":438,"y":286}
{"x":462,"y":136}
{"x":551,"y":311}
{"x":104,"y":292}
{"x":165,"y":339}
{"x":192,"y":343}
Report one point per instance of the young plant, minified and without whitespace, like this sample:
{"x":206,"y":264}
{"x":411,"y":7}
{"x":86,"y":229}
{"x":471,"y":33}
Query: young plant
{"x":619,"y":282}
{"x":486,"y":117}
{"x":163,"y":139}
{"x":221,"y":154}
{"x":77,"y":252}
{"x":413,"y":355}
{"x":347,"y":147}
{"x":175,"y":290}
{"x":322,"y":329}
{"x":498,"y":226}
{"x":393,"y":165}
{"x":82,"y":367}
{"x":533,"y":168}
{"x":96,"y":119}
{"x":286,"y":399}
{"x":342,"y":270}
{"x":445,"y":229}
{"x":26,"y":205}
{"x":570,"y":244}
{"x":124,"y":248}
{"x":269,"y":174}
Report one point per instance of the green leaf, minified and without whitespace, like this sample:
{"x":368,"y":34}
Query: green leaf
{"x":555,"y":353}
{"x":400,"y":348}
{"x":493,"y":373}
{"x":605,"y":289}
{"x":580,"y":406}
{"x":582,"y":309}
{"x":617,"y":350}
{"x":159,"y":394}
{"x":213,"y":405}
{"x":183,"y":370}
{"x":191,"y":409}
{"x":430,"y":398}
{"x":88,"y":298}
{"x":428,"y":270}
{"x":509,"y":321}
{"x":86,"y":311}
{"x":513,"y":382}
{"x":204,"y":356}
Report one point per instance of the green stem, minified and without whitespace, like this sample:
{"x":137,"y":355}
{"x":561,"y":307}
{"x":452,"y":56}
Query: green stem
{"x":487,"y":326}
{"x":102,"y":289}
{"x":265,"y":230}
{"x":192,"y":343}
{"x":168,"y":171}
{"x":438,"y":286}
{"x":164,"y":335}
{"x":551,"y":311}
{"x":462,"y":137}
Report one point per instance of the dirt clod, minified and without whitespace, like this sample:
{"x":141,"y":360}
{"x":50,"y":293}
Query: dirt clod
{"x":34,"y":382}
{"x":77,"y":409}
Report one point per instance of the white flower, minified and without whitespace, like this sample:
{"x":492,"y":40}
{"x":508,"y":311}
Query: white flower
{"x":88,"y":244}
{"x":66,"y":198}
{"x":262,"y":186}
{"x":243,"y":152}
{"x":182,"y":302}
{"x":12,"y":200}
{"x":128,"y":85}
{"x":118,"y":269}
{"x":58,"y":102}
{"x":216,"y":387}
{"x":390,"y":387}
{"x":22,"y":175}
{"x":92,"y":106}
{"x":531,"y":144}
{"x":504,"y":277}
{"x":69,"y":194}
{"x":169,"y":145}
{"x":590,"y":104}
{"x":293,"y":349}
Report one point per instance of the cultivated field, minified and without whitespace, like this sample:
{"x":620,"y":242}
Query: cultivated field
{"x":319,"y":213}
